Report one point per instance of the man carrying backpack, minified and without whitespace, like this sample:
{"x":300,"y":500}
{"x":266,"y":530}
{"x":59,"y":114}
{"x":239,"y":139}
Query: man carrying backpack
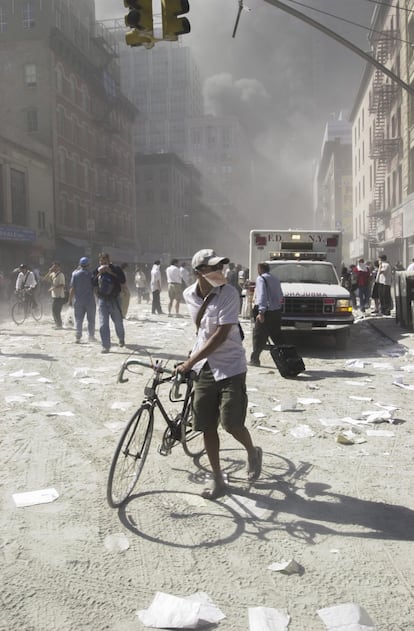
{"x":107,"y":279}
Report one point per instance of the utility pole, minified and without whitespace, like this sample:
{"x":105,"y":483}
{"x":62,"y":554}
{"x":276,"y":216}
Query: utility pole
{"x":343,"y":41}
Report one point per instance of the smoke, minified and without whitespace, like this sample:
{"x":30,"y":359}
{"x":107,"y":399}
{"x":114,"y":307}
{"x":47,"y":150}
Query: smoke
{"x":282,"y":79}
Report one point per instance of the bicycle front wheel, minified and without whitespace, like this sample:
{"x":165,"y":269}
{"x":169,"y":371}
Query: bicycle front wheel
{"x":37,"y":311}
{"x":18,"y":312}
{"x":192,"y":441}
{"x":129,"y":456}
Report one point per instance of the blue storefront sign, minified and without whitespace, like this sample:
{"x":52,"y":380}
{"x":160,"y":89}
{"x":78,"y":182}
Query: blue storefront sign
{"x":15,"y":233}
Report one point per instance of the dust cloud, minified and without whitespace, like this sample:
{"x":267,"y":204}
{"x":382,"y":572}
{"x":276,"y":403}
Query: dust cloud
{"x":282,"y":79}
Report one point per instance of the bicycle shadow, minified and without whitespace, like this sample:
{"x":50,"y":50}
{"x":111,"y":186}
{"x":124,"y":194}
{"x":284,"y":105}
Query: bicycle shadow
{"x":278,"y":501}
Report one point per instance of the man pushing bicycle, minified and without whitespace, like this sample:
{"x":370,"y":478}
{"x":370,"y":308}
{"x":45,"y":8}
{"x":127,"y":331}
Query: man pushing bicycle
{"x":219,"y":359}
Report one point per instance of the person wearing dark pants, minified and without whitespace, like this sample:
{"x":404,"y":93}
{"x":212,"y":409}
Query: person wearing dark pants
{"x":267,"y":312}
{"x":57,"y":290}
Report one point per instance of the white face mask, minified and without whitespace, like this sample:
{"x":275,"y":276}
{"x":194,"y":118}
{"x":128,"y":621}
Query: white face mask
{"x":216,"y":278}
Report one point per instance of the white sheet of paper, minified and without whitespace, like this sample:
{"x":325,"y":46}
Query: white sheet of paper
{"x":67,"y":413}
{"x":346,"y":617}
{"x":287,"y":567}
{"x":259,"y":415}
{"x":379,"y":432}
{"x":308,"y":400}
{"x":121,"y":405}
{"x":21,"y":373}
{"x":268,"y":429}
{"x":117,"y":542}
{"x":301,"y":431}
{"x":170,"y":612}
{"x":174,"y":612}
{"x":268,"y":619}
{"x":31,"y":498}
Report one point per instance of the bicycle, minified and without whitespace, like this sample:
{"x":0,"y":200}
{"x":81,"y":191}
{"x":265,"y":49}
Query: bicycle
{"x":24,"y":306}
{"x":133,"y":446}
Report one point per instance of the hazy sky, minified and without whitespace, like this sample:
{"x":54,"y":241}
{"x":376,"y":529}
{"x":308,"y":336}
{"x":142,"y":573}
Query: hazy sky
{"x":282,"y":78}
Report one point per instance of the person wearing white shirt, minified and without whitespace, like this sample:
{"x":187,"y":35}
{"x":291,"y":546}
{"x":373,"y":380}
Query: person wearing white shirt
{"x":155,"y":286}
{"x":410,"y":268}
{"x":25,"y":279}
{"x":175,"y":286}
{"x":219,"y":360}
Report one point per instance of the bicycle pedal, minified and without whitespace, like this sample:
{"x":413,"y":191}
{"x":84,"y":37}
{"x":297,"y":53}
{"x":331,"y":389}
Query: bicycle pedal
{"x":163,"y":451}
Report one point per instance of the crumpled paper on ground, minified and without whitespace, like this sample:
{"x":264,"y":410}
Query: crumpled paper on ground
{"x":268,"y":619}
{"x":286,"y":567}
{"x":174,"y":612}
{"x":346,"y":617}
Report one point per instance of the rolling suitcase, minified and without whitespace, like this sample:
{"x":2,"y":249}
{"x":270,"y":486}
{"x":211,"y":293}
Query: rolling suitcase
{"x":287,"y":360}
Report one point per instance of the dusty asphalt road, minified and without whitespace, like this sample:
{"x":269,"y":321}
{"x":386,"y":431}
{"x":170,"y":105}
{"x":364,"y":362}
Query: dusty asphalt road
{"x":345,"y":513}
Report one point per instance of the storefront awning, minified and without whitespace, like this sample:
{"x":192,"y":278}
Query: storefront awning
{"x":78,"y":243}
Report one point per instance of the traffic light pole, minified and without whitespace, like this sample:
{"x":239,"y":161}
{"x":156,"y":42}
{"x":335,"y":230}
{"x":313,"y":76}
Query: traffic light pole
{"x":344,"y":42}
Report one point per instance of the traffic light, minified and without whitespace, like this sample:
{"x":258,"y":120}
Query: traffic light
{"x":172,"y":24}
{"x":140,"y":19}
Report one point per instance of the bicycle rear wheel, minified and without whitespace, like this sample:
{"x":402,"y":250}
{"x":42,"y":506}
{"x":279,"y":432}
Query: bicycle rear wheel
{"x":18,"y":312}
{"x":129,"y":456}
{"x":37,"y":311}
{"x":192,"y":442}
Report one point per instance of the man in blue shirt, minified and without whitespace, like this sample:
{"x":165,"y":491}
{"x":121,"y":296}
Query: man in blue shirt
{"x":268,"y":315}
{"x":82,"y":295}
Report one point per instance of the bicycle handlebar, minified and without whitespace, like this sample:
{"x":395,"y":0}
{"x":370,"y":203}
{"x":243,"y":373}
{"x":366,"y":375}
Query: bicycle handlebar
{"x":157,"y":367}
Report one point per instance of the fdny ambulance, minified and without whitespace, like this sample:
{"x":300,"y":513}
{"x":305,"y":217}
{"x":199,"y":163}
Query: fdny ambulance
{"x":308,"y":265}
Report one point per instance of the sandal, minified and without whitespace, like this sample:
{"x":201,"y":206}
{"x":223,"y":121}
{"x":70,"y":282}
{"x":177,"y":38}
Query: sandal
{"x":254,"y":471}
{"x":212,"y":493}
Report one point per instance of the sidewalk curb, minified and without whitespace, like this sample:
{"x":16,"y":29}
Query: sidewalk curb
{"x":388,"y":334}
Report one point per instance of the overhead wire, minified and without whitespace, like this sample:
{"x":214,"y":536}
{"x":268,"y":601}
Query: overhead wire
{"x":336,"y":17}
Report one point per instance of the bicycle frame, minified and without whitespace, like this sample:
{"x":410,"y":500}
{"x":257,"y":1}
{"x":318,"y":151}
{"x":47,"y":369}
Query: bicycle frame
{"x":152,"y":399}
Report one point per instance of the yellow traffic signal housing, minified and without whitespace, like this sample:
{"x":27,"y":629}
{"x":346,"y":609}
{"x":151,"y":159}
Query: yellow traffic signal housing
{"x":139,"y":18}
{"x":172,"y":24}
{"x":134,"y":38}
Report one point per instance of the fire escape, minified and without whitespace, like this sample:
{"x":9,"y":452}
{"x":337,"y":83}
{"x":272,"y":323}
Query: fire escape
{"x":382,"y":149}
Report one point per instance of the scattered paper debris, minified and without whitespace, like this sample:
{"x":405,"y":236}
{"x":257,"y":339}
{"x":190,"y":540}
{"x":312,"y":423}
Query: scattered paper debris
{"x":268,"y":619}
{"x":67,"y":413}
{"x":121,"y":405}
{"x":174,"y":612}
{"x":348,"y":437}
{"x":21,"y":373}
{"x":359,"y":384}
{"x":357,"y":398}
{"x":117,"y":542}
{"x":346,"y":617}
{"x":268,"y":429}
{"x":30,"y":498}
{"x":45,"y":404}
{"x":308,"y":400}
{"x":259,"y":415}
{"x":302,"y":431}
{"x":354,"y":363}
{"x":399,"y":381}
{"x":379,"y":432}
{"x":286,"y":567}
{"x":382,"y":366}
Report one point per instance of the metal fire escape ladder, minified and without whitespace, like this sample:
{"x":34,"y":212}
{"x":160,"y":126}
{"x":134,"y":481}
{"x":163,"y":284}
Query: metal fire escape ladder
{"x":382,"y":149}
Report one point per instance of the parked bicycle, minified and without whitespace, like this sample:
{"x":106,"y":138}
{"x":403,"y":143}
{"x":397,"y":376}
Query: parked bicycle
{"x":24,"y":306}
{"x":133,"y":446}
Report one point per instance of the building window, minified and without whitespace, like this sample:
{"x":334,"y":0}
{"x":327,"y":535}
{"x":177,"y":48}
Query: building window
{"x":18,"y":196}
{"x":31,"y":120}
{"x":28,"y":16}
{"x":3,"y":19}
{"x":30,"y":75}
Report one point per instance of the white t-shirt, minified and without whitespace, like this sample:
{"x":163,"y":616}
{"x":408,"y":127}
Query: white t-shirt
{"x":173,"y":274}
{"x":230,"y":358}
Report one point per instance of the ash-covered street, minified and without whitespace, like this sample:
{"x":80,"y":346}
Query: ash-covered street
{"x":343,"y":512}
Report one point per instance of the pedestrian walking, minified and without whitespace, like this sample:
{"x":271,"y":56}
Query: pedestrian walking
{"x":363,"y":275}
{"x":185,"y":275}
{"x":155,"y":287}
{"x":82,"y":296}
{"x":175,"y":287}
{"x":108,"y":278}
{"x":266,"y":311}
{"x":410,"y":268}
{"x":141,"y":285}
{"x":125,"y":295}
{"x":219,"y":360}
{"x":57,"y":291}
{"x":384,"y":279}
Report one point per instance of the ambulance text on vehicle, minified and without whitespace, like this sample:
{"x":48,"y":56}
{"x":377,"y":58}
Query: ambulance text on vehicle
{"x":308,"y":264}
